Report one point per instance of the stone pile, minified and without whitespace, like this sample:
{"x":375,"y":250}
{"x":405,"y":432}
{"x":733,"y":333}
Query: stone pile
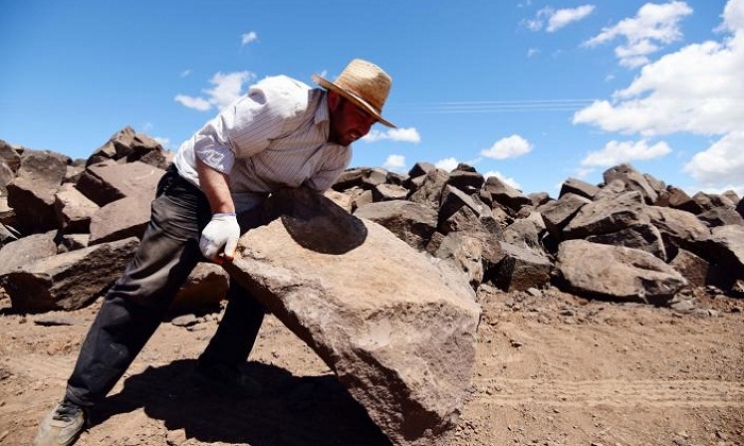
{"x":655,"y":239}
{"x":69,"y":227}
{"x":380,"y":275}
{"x":628,"y":238}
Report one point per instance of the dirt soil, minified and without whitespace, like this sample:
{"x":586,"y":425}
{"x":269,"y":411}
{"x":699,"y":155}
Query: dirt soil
{"x":551,"y":370}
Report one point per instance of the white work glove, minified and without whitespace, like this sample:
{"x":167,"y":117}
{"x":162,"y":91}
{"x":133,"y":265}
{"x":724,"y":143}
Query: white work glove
{"x":222,"y":231}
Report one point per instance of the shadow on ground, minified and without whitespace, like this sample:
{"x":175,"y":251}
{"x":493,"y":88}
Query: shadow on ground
{"x":291,"y":410}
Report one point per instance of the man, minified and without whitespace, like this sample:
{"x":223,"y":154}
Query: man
{"x":282,"y":133}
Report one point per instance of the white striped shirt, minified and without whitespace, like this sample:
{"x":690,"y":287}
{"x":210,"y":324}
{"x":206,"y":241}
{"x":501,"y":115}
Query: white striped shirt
{"x":274,"y":136}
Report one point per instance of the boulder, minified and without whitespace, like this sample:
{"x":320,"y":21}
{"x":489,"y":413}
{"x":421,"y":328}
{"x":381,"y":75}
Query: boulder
{"x":109,"y":181}
{"x":430,"y":190}
{"x":31,"y":193}
{"x":525,"y":232}
{"x":203,"y":290}
{"x":504,"y":194}
{"x":421,"y":168}
{"x":465,"y":179}
{"x":128,"y":146}
{"x":557,"y":213}
{"x":720,"y":216}
{"x":676,"y":198}
{"x":607,"y":215}
{"x":465,"y":253}
{"x":725,"y":246}
{"x":616,"y":272}
{"x":68,"y":281}
{"x":387,"y":192}
{"x":414,"y":223}
{"x":641,"y":235}
{"x":396,"y":326}
{"x":10,"y":156}
{"x":522,"y":269}
{"x":25,"y":250}
{"x":633,"y":180}
{"x":120,"y":219}
{"x":6,"y":176}
{"x":693,"y":268}
{"x":74,"y":210}
{"x":578,"y":187}
{"x":363,"y":177}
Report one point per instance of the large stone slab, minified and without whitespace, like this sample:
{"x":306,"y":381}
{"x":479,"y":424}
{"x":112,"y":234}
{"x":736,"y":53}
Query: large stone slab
{"x":617,"y":272}
{"x":397,"y":326}
{"x":67,"y":281}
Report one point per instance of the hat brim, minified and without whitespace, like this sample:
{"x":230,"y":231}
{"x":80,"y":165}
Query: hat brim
{"x":325,"y":83}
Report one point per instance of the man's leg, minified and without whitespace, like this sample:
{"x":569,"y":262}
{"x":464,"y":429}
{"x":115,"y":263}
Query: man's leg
{"x":238,"y":329}
{"x":135,"y":305}
{"x":221,"y":366}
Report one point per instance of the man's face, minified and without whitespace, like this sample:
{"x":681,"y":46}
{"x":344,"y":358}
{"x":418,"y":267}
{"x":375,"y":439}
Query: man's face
{"x":349,"y":122}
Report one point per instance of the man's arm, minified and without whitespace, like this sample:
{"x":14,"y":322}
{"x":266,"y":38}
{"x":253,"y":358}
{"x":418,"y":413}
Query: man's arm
{"x":223,"y":230}
{"x":215,"y":186}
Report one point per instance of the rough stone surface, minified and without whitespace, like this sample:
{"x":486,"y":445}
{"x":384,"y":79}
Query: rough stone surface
{"x":70,"y":280}
{"x":466,"y":254}
{"x":606,"y":215}
{"x":414,"y":223}
{"x":692,"y":267}
{"x":109,"y":181}
{"x":120,"y":219}
{"x":522,"y":269}
{"x":643,"y":236}
{"x":26,"y":250}
{"x":633,"y":180}
{"x":203,"y":290}
{"x":578,"y":187}
{"x":74,"y":210}
{"x":397,"y":326}
{"x":557,"y":213}
{"x":616,"y":272}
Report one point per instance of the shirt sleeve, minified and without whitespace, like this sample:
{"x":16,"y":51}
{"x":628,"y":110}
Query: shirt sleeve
{"x":248,"y":125}
{"x":329,"y":172}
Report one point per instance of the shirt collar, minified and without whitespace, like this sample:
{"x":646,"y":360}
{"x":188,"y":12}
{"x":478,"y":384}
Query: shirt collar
{"x":321,"y":113}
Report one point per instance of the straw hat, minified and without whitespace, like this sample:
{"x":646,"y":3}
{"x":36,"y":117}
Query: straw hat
{"x":363,"y":83}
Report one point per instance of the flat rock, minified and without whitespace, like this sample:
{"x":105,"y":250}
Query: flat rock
{"x":397,"y":326}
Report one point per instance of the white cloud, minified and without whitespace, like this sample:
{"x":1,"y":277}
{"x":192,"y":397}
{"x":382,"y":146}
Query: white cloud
{"x":185,"y":73}
{"x":617,"y":152}
{"x":652,"y":26}
{"x":557,"y":18}
{"x":249,"y":37}
{"x":563,"y":17}
{"x":733,"y":16}
{"x":509,"y":147}
{"x":195,"y":103}
{"x":396,"y":163}
{"x":227,"y":88}
{"x":447,"y":164}
{"x":410,"y":135}
{"x":721,"y":164}
{"x":508,"y":180}
{"x":532,"y":52}
{"x":697,"y":90}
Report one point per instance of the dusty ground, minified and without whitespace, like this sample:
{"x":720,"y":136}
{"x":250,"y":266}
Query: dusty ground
{"x":551,"y":370}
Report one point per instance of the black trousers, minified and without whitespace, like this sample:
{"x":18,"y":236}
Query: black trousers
{"x":134,"y":306}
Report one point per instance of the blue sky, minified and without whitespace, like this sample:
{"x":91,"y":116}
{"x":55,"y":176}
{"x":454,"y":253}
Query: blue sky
{"x":532,"y":91}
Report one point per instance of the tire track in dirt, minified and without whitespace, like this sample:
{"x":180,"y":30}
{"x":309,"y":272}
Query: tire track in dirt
{"x":617,"y":393}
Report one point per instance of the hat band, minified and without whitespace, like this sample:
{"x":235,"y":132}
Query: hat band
{"x":352,"y":90}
